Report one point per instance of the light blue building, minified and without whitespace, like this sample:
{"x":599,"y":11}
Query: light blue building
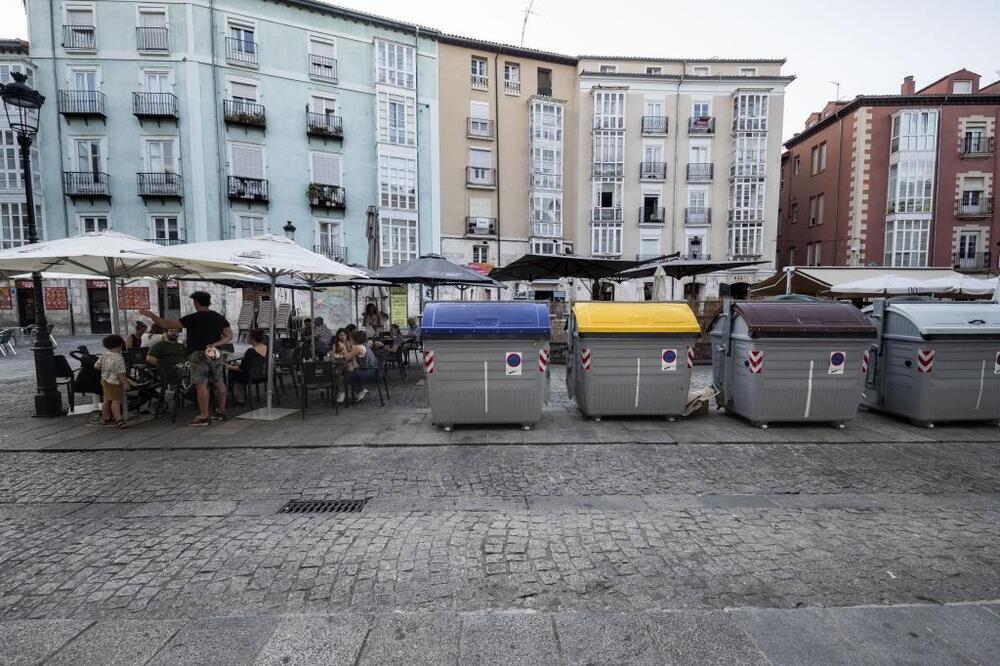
{"x":184,"y":121}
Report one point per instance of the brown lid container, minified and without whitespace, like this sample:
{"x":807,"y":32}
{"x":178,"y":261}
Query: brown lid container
{"x":805,"y":319}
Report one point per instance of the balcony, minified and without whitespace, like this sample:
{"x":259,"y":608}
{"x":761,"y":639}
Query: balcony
{"x":654,"y":125}
{"x":697,"y":215}
{"x":241,"y":51}
{"x":152,"y":40}
{"x":242,"y":188}
{"x":81,"y":103}
{"x":700,"y":172}
{"x":976,"y":146}
{"x":608,"y":170}
{"x":247,"y":114}
{"x":321,"y":67}
{"x":480,"y":177}
{"x":697,"y":256}
{"x":479,"y":128}
{"x":480,"y":82}
{"x":164,"y":184}
{"x":481,"y":226}
{"x":646,"y":256}
{"x":324,"y":125}
{"x":154,"y":105}
{"x":166,"y":241}
{"x":969,"y":210}
{"x":87,"y":184}
{"x":973,"y":262}
{"x":334,"y":252}
{"x":544,"y":91}
{"x":79,"y":38}
{"x":701,"y":125}
{"x":607,"y":214}
{"x":326,"y":196}
{"x":652,"y":170}
{"x":651,"y":215}
{"x":512,"y":87}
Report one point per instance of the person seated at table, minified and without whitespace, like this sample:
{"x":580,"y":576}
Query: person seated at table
{"x":367,"y":365}
{"x":371,"y":321}
{"x":393,"y":343}
{"x":307,"y":329}
{"x":239,"y":373}
{"x":154,"y":335}
{"x":413,"y":328}
{"x":134,"y":339}
{"x":323,"y":335}
{"x":168,"y":351}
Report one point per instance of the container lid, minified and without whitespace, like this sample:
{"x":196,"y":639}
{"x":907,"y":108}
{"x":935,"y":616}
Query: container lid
{"x":804,"y":318}
{"x":937,"y":318}
{"x":485,"y":319}
{"x":610,"y":317}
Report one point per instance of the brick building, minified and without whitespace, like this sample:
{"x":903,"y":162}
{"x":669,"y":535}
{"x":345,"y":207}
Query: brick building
{"x":895,"y":180}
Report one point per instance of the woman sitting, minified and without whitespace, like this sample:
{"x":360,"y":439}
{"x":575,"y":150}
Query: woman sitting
{"x":240,"y":373}
{"x":367,"y":365}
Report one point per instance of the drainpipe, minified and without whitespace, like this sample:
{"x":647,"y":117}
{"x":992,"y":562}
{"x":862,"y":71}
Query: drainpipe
{"x":840,"y":171}
{"x":496,"y":124}
{"x":219,"y":147}
{"x":59,"y":136}
{"x":677,"y":139}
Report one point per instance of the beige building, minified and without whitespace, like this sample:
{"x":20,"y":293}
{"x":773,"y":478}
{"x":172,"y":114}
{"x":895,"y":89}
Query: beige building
{"x":679,"y":156}
{"x":508,"y":120}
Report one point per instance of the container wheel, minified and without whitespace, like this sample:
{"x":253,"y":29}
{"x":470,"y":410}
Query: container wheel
{"x":526,"y":427}
{"x":839,"y":426}
{"x":596,"y":419}
{"x":447,"y":428}
{"x":762,"y":426}
{"x":671,"y":419}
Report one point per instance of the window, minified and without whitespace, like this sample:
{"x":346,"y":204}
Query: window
{"x":649,"y":243}
{"x":969,"y":249}
{"x":820,"y":200}
{"x":814,"y":152}
{"x":961,"y":87}
{"x":481,"y":254}
{"x":397,"y":119}
{"x":241,"y":44}
{"x":606,"y":239}
{"x":654,"y":108}
{"x":166,"y":228}
{"x":911,"y":186}
{"x":512,"y":78}
{"x":699,"y":152}
{"x":324,"y":106}
{"x":822,"y":156}
{"x":248,"y":226}
{"x":325,"y":168}
{"x":546,"y":247}
{"x":480,"y":167}
{"x":14,"y":224}
{"x":91,"y":223}
{"x":7,"y":68}
{"x":654,"y":71}
{"x":791,"y":256}
{"x":79,"y":27}
{"x":243,"y":96}
{"x":815,"y":210}
{"x":395,"y":64}
{"x":397,"y":182}
{"x":156,"y":81}
{"x":745,"y":239}
{"x":906,"y":242}
{"x":160,"y":156}
{"x":914,"y":130}
{"x":247,"y":161}
{"x":795,"y":213}
{"x":701,"y":110}
{"x":796,"y":165}
{"x":479,"y":120}
{"x":607,"y":200}
{"x":546,"y":214}
{"x":747,"y":202}
{"x":329,"y":235}
{"x":480,"y":76}
{"x":399,"y":241}
{"x":546,"y":167}
{"x":975,"y":139}
{"x":748,"y":71}
{"x":545,"y":81}
{"x":84,"y":80}
{"x":89,"y":156}
{"x":972,"y":199}
{"x":653,"y":153}
{"x":546,"y":121}
{"x":609,"y":153}
{"x":700,"y":70}
{"x":322,"y":59}
{"x":608,"y":69}
{"x":151,"y":32}
{"x":609,"y":110}
{"x":10,"y":163}
{"x":697,"y":198}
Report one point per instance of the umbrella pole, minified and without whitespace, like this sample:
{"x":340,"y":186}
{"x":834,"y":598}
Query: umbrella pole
{"x":312,"y":318}
{"x":116,"y":324}
{"x":271,"y":347}
{"x":356,"y":290}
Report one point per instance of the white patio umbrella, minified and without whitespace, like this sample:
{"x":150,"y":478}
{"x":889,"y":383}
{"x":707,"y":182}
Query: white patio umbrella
{"x":883,"y":285}
{"x":660,"y":285}
{"x":270,"y":256}
{"x":101,"y":254}
{"x":962,"y":284}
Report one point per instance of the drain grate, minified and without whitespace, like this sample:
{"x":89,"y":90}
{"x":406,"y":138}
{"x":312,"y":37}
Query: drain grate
{"x":324,"y":506}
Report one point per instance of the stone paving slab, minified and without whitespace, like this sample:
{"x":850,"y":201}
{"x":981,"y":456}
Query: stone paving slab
{"x":117,"y":643}
{"x":508,"y":639}
{"x":31,"y":641}
{"x":315,"y":640}
{"x":217,"y":641}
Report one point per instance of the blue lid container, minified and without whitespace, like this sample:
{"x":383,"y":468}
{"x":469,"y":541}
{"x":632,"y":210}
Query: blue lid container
{"x":485,"y":319}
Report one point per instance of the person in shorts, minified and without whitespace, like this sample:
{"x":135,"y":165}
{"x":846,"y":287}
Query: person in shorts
{"x":207,"y":330}
{"x":114,"y":379}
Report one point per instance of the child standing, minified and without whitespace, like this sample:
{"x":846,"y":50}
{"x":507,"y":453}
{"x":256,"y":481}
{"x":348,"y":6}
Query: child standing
{"x":114,"y":378}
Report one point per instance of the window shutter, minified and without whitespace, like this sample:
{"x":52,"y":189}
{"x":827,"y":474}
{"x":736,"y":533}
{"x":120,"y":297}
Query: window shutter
{"x":153,"y":19}
{"x":326,"y":169}
{"x":479,"y":207}
{"x":480,"y":159}
{"x":248,"y":162}
{"x":243,"y":90}
{"x":479,"y":110}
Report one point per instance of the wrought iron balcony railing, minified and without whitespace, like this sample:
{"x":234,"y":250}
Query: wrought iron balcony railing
{"x":701,"y":125}
{"x":972,"y":261}
{"x":79,"y":37}
{"x":981,"y":208}
{"x":512,"y":87}
{"x":480,"y":226}
{"x":697,"y":215}
{"x":974,"y":146}
{"x":480,"y":81}
{"x":655,"y":124}
{"x":242,"y":51}
{"x":607,"y":214}
{"x":608,"y":170}
{"x":248,"y":189}
{"x":162,"y":184}
{"x":334,"y":252}
{"x":86,"y":184}
{"x":324,"y":124}
{"x":479,"y":128}
{"x":480,"y":176}
{"x":238,"y":112}
{"x":322,"y":67}
{"x":166,"y":241}
{"x":81,"y":103}
{"x":152,"y":39}
{"x":651,"y":215}
{"x":327,"y":196}
{"x":652,"y":171}
{"x":700,"y":172}
{"x":154,"y":105}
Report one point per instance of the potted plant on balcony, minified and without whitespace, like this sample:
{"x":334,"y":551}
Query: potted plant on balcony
{"x":317,"y":194}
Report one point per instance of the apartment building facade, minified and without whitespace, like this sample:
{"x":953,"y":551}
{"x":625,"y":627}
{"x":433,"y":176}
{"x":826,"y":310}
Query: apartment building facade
{"x":182,"y":122}
{"x":508,"y":144}
{"x":680,"y":156}
{"x":903,"y":180}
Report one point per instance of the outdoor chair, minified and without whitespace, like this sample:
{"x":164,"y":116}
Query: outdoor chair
{"x":171,"y":379}
{"x":287,"y":365}
{"x":264,"y":315}
{"x":6,"y":342}
{"x":282,"y":318}
{"x":136,"y":357}
{"x":379,"y":379}
{"x":245,"y":321}
{"x":257,"y":377}
{"x":66,"y":377}
{"x":397,"y":359}
{"x":318,"y":376}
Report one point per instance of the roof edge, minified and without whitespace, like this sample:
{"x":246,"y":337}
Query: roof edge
{"x":505,"y":49}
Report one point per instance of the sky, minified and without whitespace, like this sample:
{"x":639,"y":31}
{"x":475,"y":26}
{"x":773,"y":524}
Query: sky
{"x":868,"y":47}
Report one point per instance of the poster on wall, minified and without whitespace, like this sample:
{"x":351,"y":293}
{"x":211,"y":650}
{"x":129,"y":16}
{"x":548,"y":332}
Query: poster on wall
{"x":56,"y":298}
{"x":133,"y":298}
{"x":397,"y":305}
{"x":7,"y":298}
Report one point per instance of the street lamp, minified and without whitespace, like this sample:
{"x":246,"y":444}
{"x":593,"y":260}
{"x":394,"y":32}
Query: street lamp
{"x":22,"y":104}
{"x":289,"y":230}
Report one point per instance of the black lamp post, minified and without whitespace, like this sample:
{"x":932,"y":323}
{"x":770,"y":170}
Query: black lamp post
{"x":289,"y":230}
{"x":22,"y":105}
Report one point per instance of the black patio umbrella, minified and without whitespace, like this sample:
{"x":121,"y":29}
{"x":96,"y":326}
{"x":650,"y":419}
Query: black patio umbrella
{"x":549,"y":267}
{"x":680,"y":268}
{"x":433,"y":270}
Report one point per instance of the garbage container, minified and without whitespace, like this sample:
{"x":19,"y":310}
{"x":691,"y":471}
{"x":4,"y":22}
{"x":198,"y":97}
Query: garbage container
{"x":631,"y":358}
{"x":790,"y":360}
{"x":935,"y":361}
{"x":486,"y":362}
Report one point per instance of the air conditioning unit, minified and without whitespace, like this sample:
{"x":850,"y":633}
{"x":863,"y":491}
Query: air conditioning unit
{"x":567,"y":248}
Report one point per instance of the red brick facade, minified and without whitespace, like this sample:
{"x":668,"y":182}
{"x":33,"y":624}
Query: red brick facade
{"x":853,"y":180}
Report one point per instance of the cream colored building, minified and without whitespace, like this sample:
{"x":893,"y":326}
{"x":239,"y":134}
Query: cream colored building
{"x":679,"y":156}
{"x":508,"y":153}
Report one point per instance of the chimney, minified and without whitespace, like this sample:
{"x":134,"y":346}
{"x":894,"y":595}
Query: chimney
{"x":908,"y":87}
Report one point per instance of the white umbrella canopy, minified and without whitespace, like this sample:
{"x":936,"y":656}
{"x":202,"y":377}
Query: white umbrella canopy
{"x":269,"y":255}
{"x":884,"y":285}
{"x":962,"y":284}
{"x":660,"y":285}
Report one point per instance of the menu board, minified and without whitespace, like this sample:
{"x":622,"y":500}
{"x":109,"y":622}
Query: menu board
{"x":56,"y":298}
{"x":133,"y":298}
{"x":397,"y":306}
{"x":7,"y":298}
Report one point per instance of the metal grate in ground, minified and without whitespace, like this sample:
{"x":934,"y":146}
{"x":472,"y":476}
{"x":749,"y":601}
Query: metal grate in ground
{"x":324,"y":506}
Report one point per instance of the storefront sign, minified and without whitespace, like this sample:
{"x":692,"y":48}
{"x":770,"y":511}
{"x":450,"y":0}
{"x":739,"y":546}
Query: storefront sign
{"x":25,"y":284}
{"x":97,"y":284}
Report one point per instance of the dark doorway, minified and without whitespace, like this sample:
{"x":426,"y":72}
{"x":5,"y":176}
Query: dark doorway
{"x":171,"y":307}
{"x":25,"y":306}
{"x":99,"y":304}
{"x":739,"y":290}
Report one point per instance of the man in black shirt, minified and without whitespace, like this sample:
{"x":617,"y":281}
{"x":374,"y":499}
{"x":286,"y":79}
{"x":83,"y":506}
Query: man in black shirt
{"x":206,"y":330}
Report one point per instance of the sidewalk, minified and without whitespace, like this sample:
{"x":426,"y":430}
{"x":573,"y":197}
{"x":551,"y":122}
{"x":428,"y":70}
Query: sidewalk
{"x":967,"y":633}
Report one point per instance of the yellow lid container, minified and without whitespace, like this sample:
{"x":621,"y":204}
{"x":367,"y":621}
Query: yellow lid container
{"x":611,"y":317}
